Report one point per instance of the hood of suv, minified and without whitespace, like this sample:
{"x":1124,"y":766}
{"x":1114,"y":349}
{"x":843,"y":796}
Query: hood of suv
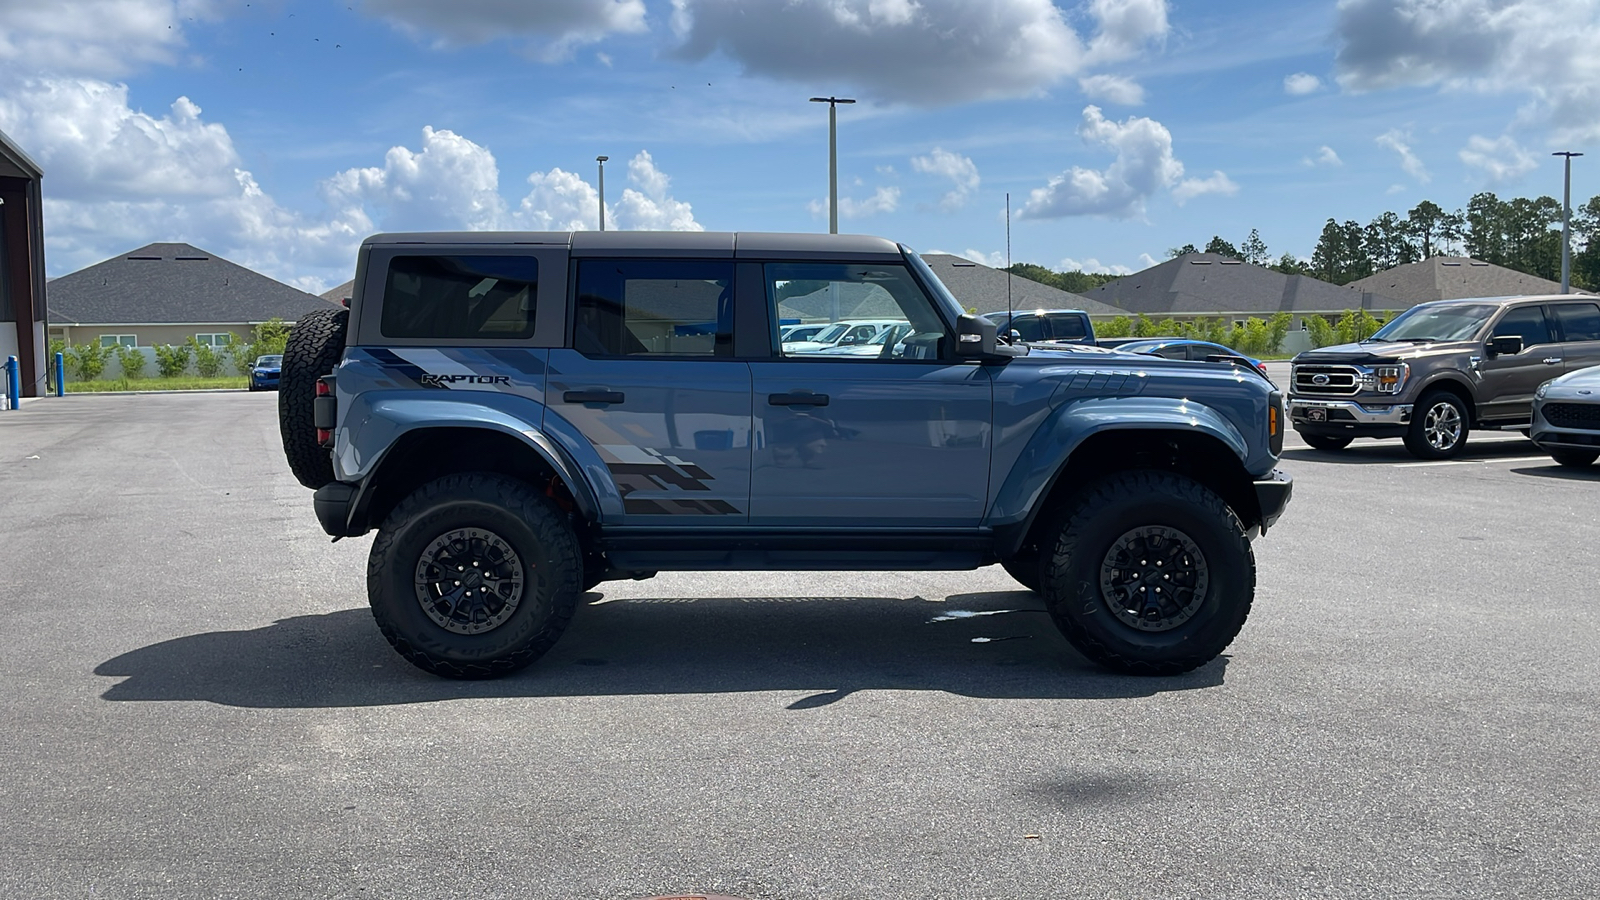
{"x":1379,"y":352}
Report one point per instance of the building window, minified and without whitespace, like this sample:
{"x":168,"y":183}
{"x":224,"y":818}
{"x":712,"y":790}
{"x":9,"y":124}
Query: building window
{"x":118,"y":340}
{"x":221,"y":339}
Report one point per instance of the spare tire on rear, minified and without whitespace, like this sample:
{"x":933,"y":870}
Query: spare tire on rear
{"x":314,"y":348}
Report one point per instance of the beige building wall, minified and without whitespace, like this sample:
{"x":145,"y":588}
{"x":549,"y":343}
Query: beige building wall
{"x":149,"y":335}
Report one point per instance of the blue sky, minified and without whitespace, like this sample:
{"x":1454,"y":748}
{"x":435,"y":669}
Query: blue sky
{"x":280,"y":133}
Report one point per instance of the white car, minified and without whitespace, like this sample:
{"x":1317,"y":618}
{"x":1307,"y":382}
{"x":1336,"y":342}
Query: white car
{"x":842,"y":334}
{"x":790,"y":333}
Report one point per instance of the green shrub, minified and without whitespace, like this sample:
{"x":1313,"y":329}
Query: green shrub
{"x":132,"y":362}
{"x":270,"y":337}
{"x":172,"y":361}
{"x":1322,"y":333}
{"x":1354,"y":325}
{"x":1119,"y":327}
{"x":87,"y":360}
{"x":243,"y":354}
{"x":207,"y":359}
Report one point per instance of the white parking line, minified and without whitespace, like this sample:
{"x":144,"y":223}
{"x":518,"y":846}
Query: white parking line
{"x":1470,"y":462}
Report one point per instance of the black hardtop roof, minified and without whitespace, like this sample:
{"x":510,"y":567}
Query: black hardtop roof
{"x":672,"y":243}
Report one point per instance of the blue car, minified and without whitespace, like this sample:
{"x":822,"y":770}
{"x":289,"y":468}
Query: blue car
{"x":1185,"y":348}
{"x":264,"y":374}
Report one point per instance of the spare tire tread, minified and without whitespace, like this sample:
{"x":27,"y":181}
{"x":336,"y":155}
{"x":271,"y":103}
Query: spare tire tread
{"x":314,"y":348}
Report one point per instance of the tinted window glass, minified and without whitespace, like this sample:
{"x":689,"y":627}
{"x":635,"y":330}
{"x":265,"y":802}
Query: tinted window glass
{"x":1030,"y":327}
{"x":1579,"y":321}
{"x":460,"y":297}
{"x":634,"y":307}
{"x":1067,"y":328}
{"x":1526,"y":322}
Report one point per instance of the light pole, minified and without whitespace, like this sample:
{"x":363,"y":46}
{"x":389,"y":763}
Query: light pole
{"x":833,"y":158}
{"x":1566,"y":223}
{"x":602,"y":161}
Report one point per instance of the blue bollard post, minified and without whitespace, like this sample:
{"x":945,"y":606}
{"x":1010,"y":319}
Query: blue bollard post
{"x":13,"y":383}
{"x":61,"y":375}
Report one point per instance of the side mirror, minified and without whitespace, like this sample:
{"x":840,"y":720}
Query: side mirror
{"x":975,"y":336}
{"x":1014,"y":336}
{"x":1505,"y":345}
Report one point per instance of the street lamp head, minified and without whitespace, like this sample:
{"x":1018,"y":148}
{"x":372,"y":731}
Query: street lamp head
{"x":831,"y":100}
{"x":601,"y":158}
{"x":1567,"y":153}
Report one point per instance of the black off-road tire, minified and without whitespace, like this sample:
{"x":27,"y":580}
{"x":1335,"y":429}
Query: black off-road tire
{"x":1085,"y":549}
{"x":1325,"y":441}
{"x":459,"y":507}
{"x":314,"y":348}
{"x":1578,"y":459}
{"x":1428,"y":416}
{"x":1025,"y":569}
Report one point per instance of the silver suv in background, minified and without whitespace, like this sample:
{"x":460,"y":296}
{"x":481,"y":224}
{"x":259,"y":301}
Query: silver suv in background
{"x":1440,"y":369}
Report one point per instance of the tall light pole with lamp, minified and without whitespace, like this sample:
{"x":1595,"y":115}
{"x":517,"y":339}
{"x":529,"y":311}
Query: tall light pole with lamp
{"x":833,"y":158}
{"x":602,"y":161}
{"x":1566,"y":224}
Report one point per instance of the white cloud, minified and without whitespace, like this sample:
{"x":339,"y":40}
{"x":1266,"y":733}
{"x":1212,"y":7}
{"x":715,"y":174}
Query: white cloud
{"x":553,"y":28}
{"x":1302,"y":83}
{"x":647,"y":206}
{"x":1112,"y":89}
{"x":1396,"y":189}
{"x":1146,"y":261}
{"x":923,"y":52}
{"x":1542,"y":48}
{"x":1144,"y":164}
{"x":1499,"y":160}
{"x":450,"y":184}
{"x":1325,"y":157}
{"x":961,"y":171}
{"x":1400,"y":142}
{"x":1125,"y":27}
{"x":1190,"y":188}
{"x":995,"y":260}
{"x":1092,"y":265}
{"x":883,"y":200}
{"x":104,"y":38}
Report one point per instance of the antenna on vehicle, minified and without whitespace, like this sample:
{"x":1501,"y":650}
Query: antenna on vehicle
{"x":1009,"y":312}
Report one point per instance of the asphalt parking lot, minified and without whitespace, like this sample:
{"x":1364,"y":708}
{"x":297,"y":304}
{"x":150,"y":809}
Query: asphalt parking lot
{"x":199,"y":705}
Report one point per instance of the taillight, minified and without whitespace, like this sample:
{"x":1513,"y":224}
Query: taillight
{"x":322,"y":388}
{"x":324,"y":437}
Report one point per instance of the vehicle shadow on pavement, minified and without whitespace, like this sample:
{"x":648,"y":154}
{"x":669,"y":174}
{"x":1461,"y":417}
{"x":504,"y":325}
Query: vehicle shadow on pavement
{"x":993,"y":645}
{"x":1386,"y":452}
{"x":1561,"y":473}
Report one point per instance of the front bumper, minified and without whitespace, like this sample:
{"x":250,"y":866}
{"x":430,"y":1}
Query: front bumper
{"x":1566,"y":437}
{"x":1272,"y":494}
{"x":1348,"y":417}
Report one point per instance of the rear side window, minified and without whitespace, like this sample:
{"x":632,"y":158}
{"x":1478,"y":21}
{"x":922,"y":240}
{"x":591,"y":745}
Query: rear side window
{"x":460,"y":297}
{"x":1068,"y":328}
{"x":1579,"y":321}
{"x":643,"y":307}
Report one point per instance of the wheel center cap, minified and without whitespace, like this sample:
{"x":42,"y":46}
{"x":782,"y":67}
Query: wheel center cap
{"x":474,"y":578}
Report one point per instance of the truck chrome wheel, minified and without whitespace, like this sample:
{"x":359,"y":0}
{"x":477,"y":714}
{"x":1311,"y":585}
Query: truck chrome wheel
{"x":1153,"y":578}
{"x":469,"y":580}
{"x":1441,"y":425}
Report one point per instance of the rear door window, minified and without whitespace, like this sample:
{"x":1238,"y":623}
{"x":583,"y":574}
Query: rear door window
{"x":1579,"y":321}
{"x":460,"y":297}
{"x":649,"y":307}
{"x":1067,"y":328}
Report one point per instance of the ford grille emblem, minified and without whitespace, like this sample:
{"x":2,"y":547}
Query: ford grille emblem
{"x":1319,"y":379}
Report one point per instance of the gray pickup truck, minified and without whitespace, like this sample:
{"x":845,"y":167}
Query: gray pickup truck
{"x":524,"y":416}
{"x":1440,"y":369}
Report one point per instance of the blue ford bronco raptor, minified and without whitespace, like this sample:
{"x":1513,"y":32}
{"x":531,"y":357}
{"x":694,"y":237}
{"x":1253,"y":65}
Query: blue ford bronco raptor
{"x":522,"y":416}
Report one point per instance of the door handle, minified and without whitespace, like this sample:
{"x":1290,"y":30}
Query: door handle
{"x":592,"y":397}
{"x":797,"y":398}
{"x":1551,"y":360}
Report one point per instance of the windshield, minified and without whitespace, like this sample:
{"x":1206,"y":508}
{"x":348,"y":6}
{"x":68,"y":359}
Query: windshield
{"x":270,"y":361}
{"x":1445,"y":322}
{"x":831,"y":333}
{"x":933,"y":284}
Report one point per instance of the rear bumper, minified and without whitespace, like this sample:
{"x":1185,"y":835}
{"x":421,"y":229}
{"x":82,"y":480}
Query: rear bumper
{"x":335,"y":503}
{"x":1273,"y":493}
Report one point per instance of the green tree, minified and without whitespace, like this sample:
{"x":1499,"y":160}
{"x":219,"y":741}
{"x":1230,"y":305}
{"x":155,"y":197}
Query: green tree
{"x":1186,"y":249}
{"x":1586,"y":241}
{"x":172,"y":361}
{"x":1218,"y":245}
{"x":88,"y":360}
{"x":1121,"y":326}
{"x":1485,"y":236}
{"x":1254,"y":250}
{"x":270,"y":337}
{"x":1355,"y":325}
{"x":131,"y":361}
{"x":1289,"y":264}
{"x":1426,"y":225}
{"x":1388,"y":242}
{"x":1277,"y":330}
{"x":207,"y":359}
{"x":1321,"y":331}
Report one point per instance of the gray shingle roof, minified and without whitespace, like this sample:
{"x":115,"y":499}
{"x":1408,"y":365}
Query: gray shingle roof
{"x":341,"y":293}
{"x":984,"y":288}
{"x":1452,"y":278}
{"x":170,"y":284}
{"x":1212,"y":284}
